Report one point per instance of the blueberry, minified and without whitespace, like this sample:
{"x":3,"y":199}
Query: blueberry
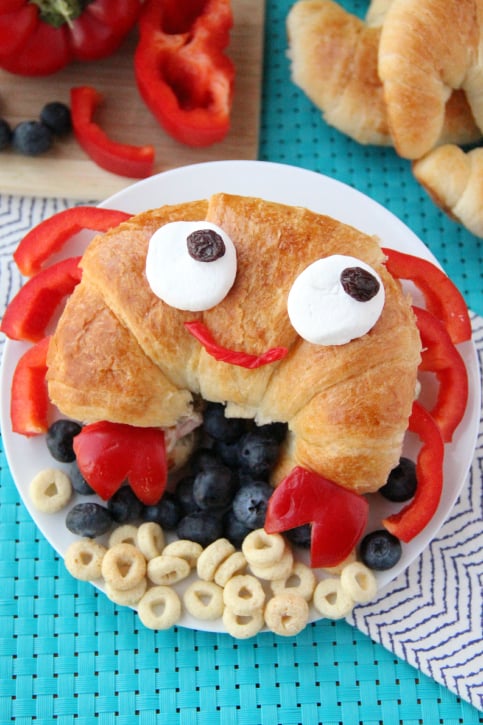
{"x":5,"y":134}
{"x":56,"y":116}
{"x":184,"y":495}
{"x":276,"y":431}
{"x":234,"y":530}
{"x":31,"y":138}
{"x":257,"y":453}
{"x":124,"y":505}
{"x":60,"y":438}
{"x":300,"y":536}
{"x":203,"y":458}
{"x":88,"y":519}
{"x":201,"y":526}
{"x":167,"y":512}
{"x":402,"y":483}
{"x":220,"y":428}
{"x":214,"y":488}
{"x":380,"y":550}
{"x":250,"y":503}
{"x":227,"y":452}
{"x":78,"y":481}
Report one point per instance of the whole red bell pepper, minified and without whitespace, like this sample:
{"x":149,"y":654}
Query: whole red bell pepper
{"x":182,"y":72}
{"x":39,"y":37}
{"x":443,"y":299}
{"x":338,"y":515}
{"x":118,"y":158}
{"x":29,"y":400}
{"x":110,"y":453}
{"x":32,"y":308}
{"x":441,"y":357}
{"x":411,"y":520}
{"x":49,"y":236}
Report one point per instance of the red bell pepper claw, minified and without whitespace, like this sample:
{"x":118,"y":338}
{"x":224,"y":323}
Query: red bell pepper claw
{"x":48,"y":237}
{"x":441,"y":357}
{"x":29,"y":400}
{"x":411,"y":520}
{"x":443,"y":299}
{"x":182,"y":73}
{"x":32,"y":308}
{"x":118,"y":158}
{"x":222,"y":354}
{"x":110,"y":453}
{"x":338,"y":515}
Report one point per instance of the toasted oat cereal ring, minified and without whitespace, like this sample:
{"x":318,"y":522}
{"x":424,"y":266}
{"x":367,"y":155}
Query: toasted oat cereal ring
{"x":235,"y":564}
{"x":331,"y":600}
{"x":204,"y":600}
{"x":50,"y":490}
{"x":123,"y":566}
{"x":301,"y":581}
{"x":243,"y":626}
{"x":185,"y":549}
{"x":359,"y":582}
{"x":286,"y":614}
{"x":150,"y":539}
{"x":125,"y":534}
{"x":243,"y":594}
{"x":210,"y":558}
{"x":167,"y":570}
{"x":279,"y":570}
{"x":83,"y":559}
{"x":126,"y":597}
{"x":338,"y":567}
{"x":159,"y":608}
{"x":263,"y":549}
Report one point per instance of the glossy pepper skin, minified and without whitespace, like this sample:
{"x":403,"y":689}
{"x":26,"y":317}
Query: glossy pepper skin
{"x":29,"y":399}
{"x":182,"y":72}
{"x":37,"y":39}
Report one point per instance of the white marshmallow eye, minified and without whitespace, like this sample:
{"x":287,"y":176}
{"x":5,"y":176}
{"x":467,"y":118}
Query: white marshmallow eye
{"x":335,"y":300}
{"x":191,"y":265}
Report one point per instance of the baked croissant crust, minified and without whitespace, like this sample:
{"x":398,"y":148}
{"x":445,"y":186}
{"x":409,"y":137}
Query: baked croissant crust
{"x":120,"y":353}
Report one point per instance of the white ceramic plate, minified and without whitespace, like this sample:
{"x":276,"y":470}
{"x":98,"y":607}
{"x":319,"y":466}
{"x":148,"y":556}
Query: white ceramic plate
{"x":284,"y":184}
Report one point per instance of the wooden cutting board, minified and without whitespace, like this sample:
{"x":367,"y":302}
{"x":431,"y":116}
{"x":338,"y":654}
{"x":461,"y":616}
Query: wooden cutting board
{"x":65,"y":171}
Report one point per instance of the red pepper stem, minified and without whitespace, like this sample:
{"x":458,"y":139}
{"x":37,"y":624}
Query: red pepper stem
{"x":58,"y":12}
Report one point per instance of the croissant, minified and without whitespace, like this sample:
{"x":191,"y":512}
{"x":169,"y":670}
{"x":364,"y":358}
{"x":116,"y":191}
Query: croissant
{"x":120,"y":353}
{"x":336,"y":59}
{"x":427,"y":49}
{"x":454,"y":180}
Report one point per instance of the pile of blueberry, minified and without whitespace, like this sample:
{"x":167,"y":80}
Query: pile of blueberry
{"x":32,"y":138}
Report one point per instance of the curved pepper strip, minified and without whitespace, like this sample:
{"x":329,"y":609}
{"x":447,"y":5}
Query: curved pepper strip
{"x":441,"y":357}
{"x":109,"y":453}
{"x":48,"y":237}
{"x":338,"y":515}
{"x":443,"y":299}
{"x":411,"y":520}
{"x":182,"y":73}
{"x":37,"y":38}
{"x":32,"y":308}
{"x":29,"y":399}
{"x":119,"y":158}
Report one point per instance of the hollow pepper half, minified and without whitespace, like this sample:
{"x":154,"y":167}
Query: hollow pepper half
{"x":39,"y":37}
{"x":182,"y":72}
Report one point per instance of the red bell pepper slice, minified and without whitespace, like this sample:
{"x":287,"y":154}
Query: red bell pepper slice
{"x":338,"y":515}
{"x":29,"y":400}
{"x":441,"y":357}
{"x":182,"y":73}
{"x":223,"y":354}
{"x":443,"y":299}
{"x":118,"y":158}
{"x":32,"y":308}
{"x":110,"y":453}
{"x":411,"y":520}
{"x":48,"y":237}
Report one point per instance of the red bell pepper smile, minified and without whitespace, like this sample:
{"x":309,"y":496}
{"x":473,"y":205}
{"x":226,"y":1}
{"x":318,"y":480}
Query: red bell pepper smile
{"x":223,"y":354}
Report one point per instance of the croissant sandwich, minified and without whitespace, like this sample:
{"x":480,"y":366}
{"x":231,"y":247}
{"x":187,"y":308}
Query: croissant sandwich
{"x":124,"y":348}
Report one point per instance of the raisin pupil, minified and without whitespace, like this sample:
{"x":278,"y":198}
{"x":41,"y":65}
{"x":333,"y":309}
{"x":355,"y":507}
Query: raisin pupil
{"x":205,"y":245}
{"x":359,"y":284}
